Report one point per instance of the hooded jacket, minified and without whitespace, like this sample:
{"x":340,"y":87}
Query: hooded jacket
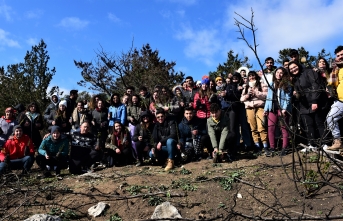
{"x":51,"y":107}
{"x":309,"y":90}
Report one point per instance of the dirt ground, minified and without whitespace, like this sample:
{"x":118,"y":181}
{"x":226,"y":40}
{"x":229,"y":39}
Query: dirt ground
{"x":263,"y":188}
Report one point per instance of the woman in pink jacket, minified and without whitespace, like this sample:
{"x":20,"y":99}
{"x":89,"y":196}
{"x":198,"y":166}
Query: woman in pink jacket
{"x":202,"y":101}
{"x":254,"y":96}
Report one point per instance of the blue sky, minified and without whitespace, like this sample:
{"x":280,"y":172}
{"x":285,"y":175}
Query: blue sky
{"x":196,"y":34}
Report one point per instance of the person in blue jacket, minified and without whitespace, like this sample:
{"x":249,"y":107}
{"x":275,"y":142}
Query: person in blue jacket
{"x":53,"y":152}
{"x":116,"y":112}
{"x":278,"y":108}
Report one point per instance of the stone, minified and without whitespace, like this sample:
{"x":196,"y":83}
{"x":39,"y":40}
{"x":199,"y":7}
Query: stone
{"x":98,"y":209}
{"x":43,"y":217}
{"x":165,"y":210}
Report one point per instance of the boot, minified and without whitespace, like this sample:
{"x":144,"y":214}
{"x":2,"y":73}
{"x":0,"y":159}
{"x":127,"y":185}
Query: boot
{"x":337,"y":144}
{"x":170,"y":165}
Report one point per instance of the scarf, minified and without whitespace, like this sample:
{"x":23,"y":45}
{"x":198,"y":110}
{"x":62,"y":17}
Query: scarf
{"x":8,"y":120}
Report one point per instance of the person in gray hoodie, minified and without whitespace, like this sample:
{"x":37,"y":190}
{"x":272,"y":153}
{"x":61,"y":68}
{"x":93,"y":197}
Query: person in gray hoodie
{"x":53,"y":106}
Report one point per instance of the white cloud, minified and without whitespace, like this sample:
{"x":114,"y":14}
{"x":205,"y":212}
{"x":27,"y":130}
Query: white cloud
{"x":6,"y":41}
{"x":6,"y":11}
{"x":33,"y":14}
{"x":73,"y":22}
{"x":113,"y":18}
{"x":201,"y":45}
{"x":313,"y":24}
{"x":32,"y":41}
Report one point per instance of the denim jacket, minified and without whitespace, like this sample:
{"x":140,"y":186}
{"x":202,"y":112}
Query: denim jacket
{"x":284,"y":99}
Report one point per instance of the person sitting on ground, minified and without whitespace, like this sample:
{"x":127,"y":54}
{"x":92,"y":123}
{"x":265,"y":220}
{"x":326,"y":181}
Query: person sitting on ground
{"x":17,"y":153}
{"x":165,"y":136}
{"x":191,"y":132}
{"x":143,"y":136}
{"x":221,"y":137}
{"x":53,"y":153}
{"x":118,"y":149}
{"x":85,"y":150}
{"x":8,"y":122}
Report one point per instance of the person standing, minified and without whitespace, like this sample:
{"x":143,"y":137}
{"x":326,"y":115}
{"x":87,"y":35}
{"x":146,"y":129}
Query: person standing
{"x":278,"y":108}
{"x":31,"y":123}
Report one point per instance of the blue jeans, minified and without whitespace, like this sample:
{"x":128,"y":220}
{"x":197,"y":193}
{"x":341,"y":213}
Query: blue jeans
{"x":334,"y":115}
{"x":166,"y":152}
{"x":17,"y":164}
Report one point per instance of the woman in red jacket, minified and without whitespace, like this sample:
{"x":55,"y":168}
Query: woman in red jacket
{"x":18,"y":152}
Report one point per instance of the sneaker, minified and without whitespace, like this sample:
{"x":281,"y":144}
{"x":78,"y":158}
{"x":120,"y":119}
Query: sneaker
{"x":267,"y":152}
{"x":47,"y":174}
{"x":337,"y":145}
{"x":312,"y":148}
{"x":228,"y":158}
{"x":330,"y":151}
{"x":140,"y":163}
{"x":283,"y":152}
{"x":59,"y":177}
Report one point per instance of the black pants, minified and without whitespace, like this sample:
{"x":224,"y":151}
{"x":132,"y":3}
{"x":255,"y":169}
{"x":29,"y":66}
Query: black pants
{"x":112,"y":158}
{"x":82,"y":157}
{"x":60,"y":162}
{"x":312,"y":121}
{"x":140,"y":145}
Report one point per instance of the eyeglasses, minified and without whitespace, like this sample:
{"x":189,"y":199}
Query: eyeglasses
{"x":159,"y":117}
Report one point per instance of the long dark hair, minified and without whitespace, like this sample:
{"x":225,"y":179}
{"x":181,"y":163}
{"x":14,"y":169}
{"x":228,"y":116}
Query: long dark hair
{"x":285,"y":81}
{"x":258,"y":81}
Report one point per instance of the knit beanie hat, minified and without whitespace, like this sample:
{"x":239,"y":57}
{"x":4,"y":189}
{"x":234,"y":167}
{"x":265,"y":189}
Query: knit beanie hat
{"x":63,"y":102}
{"x":205,"y":81}
{"x":219,"y":78}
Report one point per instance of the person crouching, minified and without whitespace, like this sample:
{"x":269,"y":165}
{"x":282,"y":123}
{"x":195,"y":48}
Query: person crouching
{"x":53,"y":153}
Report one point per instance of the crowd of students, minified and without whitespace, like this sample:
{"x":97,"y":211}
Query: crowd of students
{"x":191,"y":121}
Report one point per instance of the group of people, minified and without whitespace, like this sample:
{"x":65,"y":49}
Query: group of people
{"x":186,"y":123}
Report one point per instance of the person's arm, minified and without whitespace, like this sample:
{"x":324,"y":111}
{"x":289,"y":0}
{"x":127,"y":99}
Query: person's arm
{"x":123,"y":115}
{"x":223,"y":136}
{"x":172,"y":133}
{"x":212,"y":134}
{"x":65,"y":147}
{"x":41,"y":149}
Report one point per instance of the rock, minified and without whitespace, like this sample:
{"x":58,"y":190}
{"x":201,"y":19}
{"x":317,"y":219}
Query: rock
{"x":165,"y":210}
{"x":97,"y":209}
{"x":43,"y":217}
{"x":90,"y":175}
{"x":239,"y":196}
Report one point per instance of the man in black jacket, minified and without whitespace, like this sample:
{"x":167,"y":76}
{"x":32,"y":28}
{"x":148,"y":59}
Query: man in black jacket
{"x":53,"y":106}
{"x":164,"y":136}
{"x":193,"y":136}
